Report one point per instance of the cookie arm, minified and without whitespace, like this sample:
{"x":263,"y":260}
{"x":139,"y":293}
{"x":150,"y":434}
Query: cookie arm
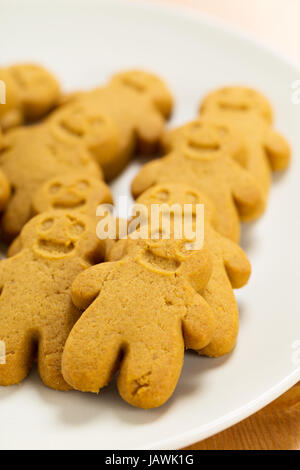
{"x":198,"y":324}
{"x":246,"y":193}
{"x":146,"y":178}
{"x":4,"y":190}
{"x":118,"y":251}
{"x":15,"y":247}
{"x":4,"y":267}
{"x":18,"y":211}
{"x":88,"y":284}
{"x":236,"y":262}
{"x":150,"y":129}
{"x":278,"y":150}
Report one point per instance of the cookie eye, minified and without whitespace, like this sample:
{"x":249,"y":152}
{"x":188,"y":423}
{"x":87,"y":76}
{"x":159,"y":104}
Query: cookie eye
{"x":191,"y":197}
{"x":47,"y":224}
{"x":162,"y":195}
{"x":134,"y":83}
{"x":222,"y":131}
{"x":234,"y":106}
{"x":82,"y":185}
{"x":77,"y":228}
{"x":55,"y":187}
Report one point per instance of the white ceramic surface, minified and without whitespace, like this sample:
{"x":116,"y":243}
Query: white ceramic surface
{"x":84,"y":42}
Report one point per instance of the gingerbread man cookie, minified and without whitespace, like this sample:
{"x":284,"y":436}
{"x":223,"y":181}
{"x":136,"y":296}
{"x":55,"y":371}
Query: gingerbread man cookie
{"x":31,"y":92}
{"x":133,"y":106}
{"x":29,"y":157}
{"x":247,"y":111}
{"x":36,"y":310}
{"x":140,"y":313}
{"x":230,"y":266}
{"x":70,"y":192}
{"x":202,"y":155}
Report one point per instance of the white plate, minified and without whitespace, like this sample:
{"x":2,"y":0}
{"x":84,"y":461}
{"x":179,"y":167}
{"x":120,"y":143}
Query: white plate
{"x":84,"y":42}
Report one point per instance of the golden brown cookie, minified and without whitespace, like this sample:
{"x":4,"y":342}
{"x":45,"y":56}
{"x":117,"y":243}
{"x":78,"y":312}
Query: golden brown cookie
{"x":248,"y":112}
{"x":4,"y":184}
{"x":140,"y":313}
{"x":36,"y":310}
{"x":230,"y":266}
{"x":31,"y":92}
{"x":70,"y":192}
{"x":133,"y":106}
{"x":203,"y":155}
{"x":30,"y":156}
{"x":4,"y":191}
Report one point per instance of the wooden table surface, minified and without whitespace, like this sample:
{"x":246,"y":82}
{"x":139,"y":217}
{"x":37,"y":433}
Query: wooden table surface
{"x":276,"y":427}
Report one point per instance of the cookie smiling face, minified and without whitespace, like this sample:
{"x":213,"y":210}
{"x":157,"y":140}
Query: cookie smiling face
{"x":58,"y":237}
{"x":61,"y":194}
{"x":53,"y":235}
{"x":238,"y":102}
{"x":72,"y":192}
{"x":204,"y":140}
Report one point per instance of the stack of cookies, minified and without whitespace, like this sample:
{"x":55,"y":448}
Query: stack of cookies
{"x":87,"y":308}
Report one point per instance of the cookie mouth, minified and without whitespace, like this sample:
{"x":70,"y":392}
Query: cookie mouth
{"x":243,"y":107}
{"x":205,"y":147}
{"x":159,"y":264}
{"x":55,"y":248}
{"x":197,"y":150}
{"x":69,"y":203}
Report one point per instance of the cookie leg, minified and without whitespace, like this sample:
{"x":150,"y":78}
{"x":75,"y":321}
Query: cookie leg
{"x":4,"y":191}
{"x":151,"y":369}
{"x":198,"y":325}
{"x":248,"y":196}
{"x":49,"y":360}
{"x":91,"y":355}
{"x":17,"y":355}
{"x":219,"y":295}
{"x":278,"y":151}
{"x":150,"y":130}
{"x":15,"y":247}
{"x":146,"y":178}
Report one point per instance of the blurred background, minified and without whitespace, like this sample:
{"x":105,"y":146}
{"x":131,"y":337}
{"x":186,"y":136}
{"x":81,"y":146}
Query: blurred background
{"x":276,"y":22}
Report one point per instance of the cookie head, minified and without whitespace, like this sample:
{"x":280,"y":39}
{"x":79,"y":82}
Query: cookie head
{"x":53,"y":235}
{"x":174,"y":193}
{"x":150,"y":85}
{"x":165,"y":255}
{"x":71,"y":192}
{"x":38,"y":89}
{"x":79,"y":122}
{"x":238,"y":102}
{"x":205,"y":141}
